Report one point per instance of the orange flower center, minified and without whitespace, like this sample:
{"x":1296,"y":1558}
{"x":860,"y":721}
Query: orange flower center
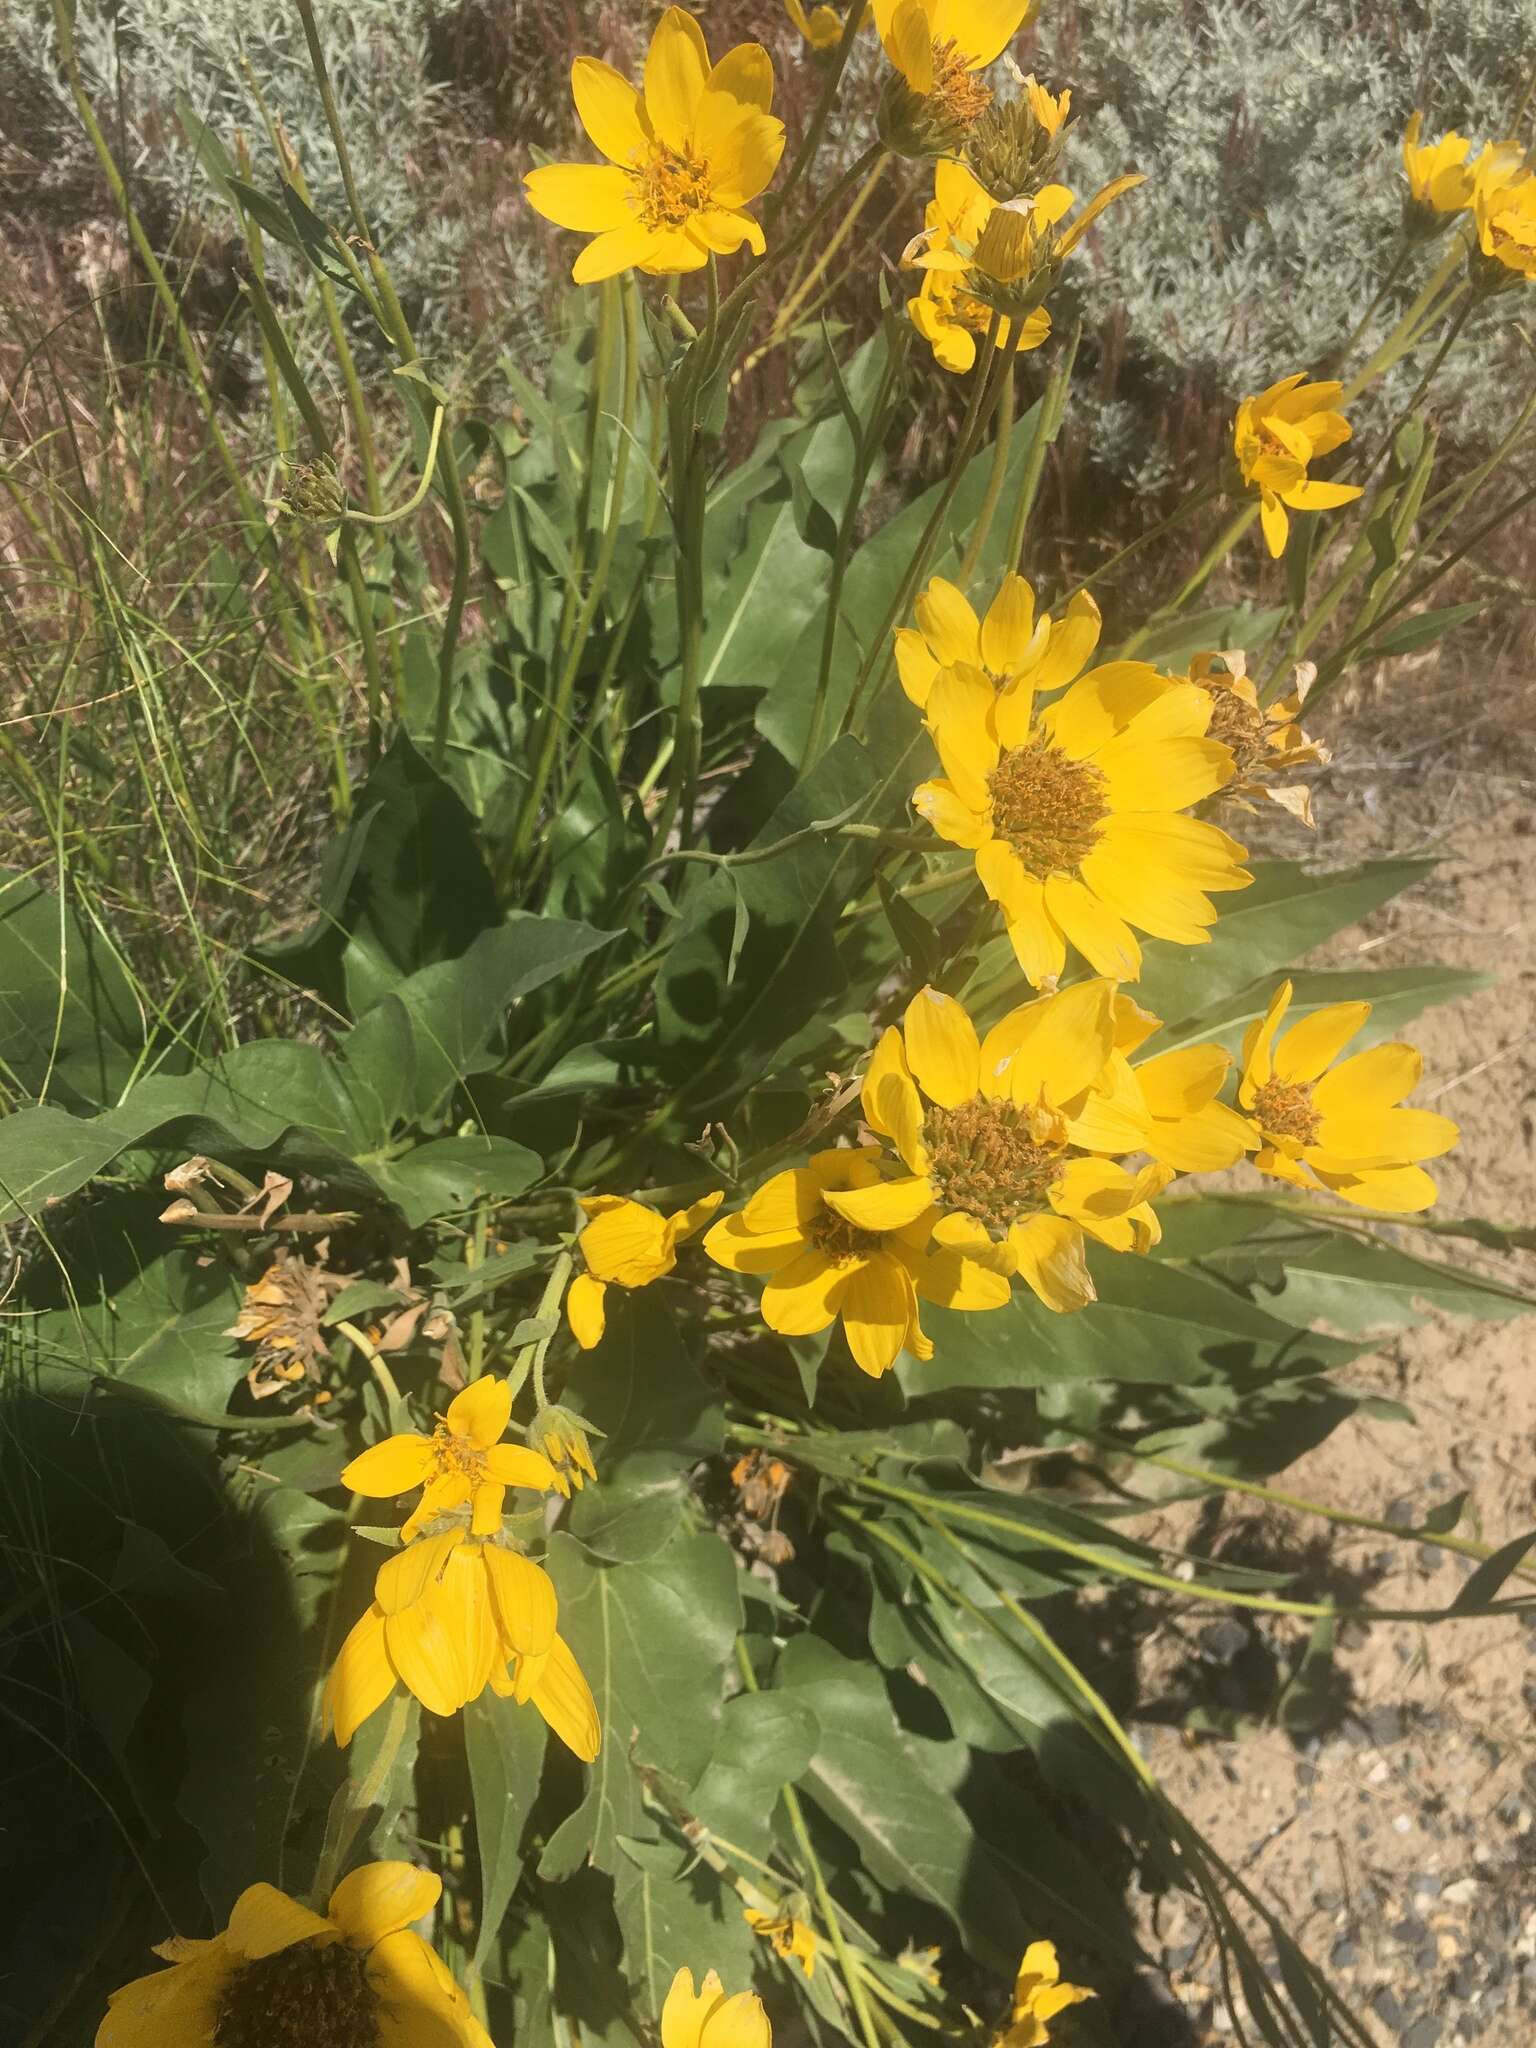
{"x":1284,"y":1110}
{"x":457,"y":1455}
{"x":995,"y":1160}
{"x":956,"y":90}
{"x":841,"y":1240}
{"x":672,"y":187}
{"x":306,"y":1996}
{"x":1048,"y":807}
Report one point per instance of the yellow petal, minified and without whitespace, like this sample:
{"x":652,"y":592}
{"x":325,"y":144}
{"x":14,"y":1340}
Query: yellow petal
{"x":627,"y":1244}
{"x":943,"y":1050}
{"x":982,"y":28}
{"x":676,"y":73}
{"x":266,"y":1920}
{"x":1105,"y":941}
{"x":393,"y":1466}
{"x":1008,"y":630}
{"x":1275,"y":524}
{"x":746,"y":73}
{"x":734,"y":1244}
{"x":431,"y":1662}
{"x":1315,"y":1042}
{"x":959,"y":713}
{"x":1163,"y":775}
{"x":1176,"y":1084}
{"x":1051,"y":1262}
{"x":1074,"y":636}
{"x":523,"y":1599}
{"x":402,"y":1579}
{"x":1312,"y":495}
{"x":909,"y":45}
{"x":878,"y":1308}
{"x":741,"y":147}
{"x":686,"y":1223}
{"x":1378,"y":1078}
{"x":564,"y":1698}
{"x":888,"y":1205}
{"x":1056,"y":1047}
{"x":381,"y":1898}
{"x":485,"y":1504}
{"x":941,"y":805}
{"x":1258,"y":1045}
{"x":948,"y":623}
{"x":587,"y":197}
{"x":585,"y":1310}
{"x":482,"y":1411}
{"x":915,"y":665}
{"x":890,"y":1100}
{"x":609,"y":109}
{"x":419,"y":2005}
{"x":1100,"y":704}
{"x":801,"y":1298}
{"x":517,"y":1465}
{"x":682,"y":2015}
{"x":1402,"y":1189}
{"x":786,"y":1201}
{"x":176,"y":2008}
{"x":360,"y":1681}
{"x":1369,"y":1136}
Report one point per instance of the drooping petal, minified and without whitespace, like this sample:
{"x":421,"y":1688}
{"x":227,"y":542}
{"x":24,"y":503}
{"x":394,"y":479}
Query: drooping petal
{"x":943,"y":1049}
{"x":403,"y":1578}
{"x":890,"y":1100}
{"x":801,"y":1298}
{"x":380,"y":1898}
{"x":563,"y":1697}
{"x":393,"y":1466}
{"x":431,"y":1660}
{"x":878,"y":1308}
{"x":942,"y":806}
{"x":915,"y":664}
{"x":523,"y":1600}
{"x":266,"y":1920}
{"x":1276,"y":525}
{"x":1051,"y":1262}
{"x":586,"y":1311}
{"x":360,"y":1681}
{"x":627,"y":1244}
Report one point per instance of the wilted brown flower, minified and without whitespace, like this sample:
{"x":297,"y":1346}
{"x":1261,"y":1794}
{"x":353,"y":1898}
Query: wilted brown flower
{"x":282,"y":1315}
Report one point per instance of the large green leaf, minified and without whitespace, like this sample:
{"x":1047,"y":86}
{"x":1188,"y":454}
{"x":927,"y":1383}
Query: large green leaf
{"x":1357,"y":1285}
{"x":504,"y":1745}
{"x":885,"y":1790}
{"x":1263,"y":930}
{"x":675,"y":1913}
{"x":1151,"y":1323}
{"x":765,"y":1741}
{"x":70,"y":1025}
{"x":654,"y":1639}
{"x":658,"y":1418}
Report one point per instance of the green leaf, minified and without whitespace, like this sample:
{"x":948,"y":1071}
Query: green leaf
{"x":1285,"y":913}
{"x":70,"y":1024}
{"x":504,"y":1745}
{"x":658,"y":1418}
{"x":448,"y":1175}
{"x":882,"y":1787}
{"x":1419,"y":629}
{"x":1357,"y":1284}
{"x":654,"y":1639}
{"x":673,"y":1916}
{"x":765,"y":1741}
{"x":1490,"y":1575}
{"x":1150,"y":1324}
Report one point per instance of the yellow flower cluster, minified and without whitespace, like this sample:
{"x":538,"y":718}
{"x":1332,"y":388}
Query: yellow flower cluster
{"x":1496,"y":188}
{"x":459,"y":1607}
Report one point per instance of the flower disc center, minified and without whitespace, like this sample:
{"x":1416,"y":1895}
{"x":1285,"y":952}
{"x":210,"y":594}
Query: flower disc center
{"x":1239,"y":725}
{"x":841,"y":1240}
{"x":458,"y":1454}
{"x":1048,"y":807}
{"x":956,"y":89}
{"x":672,"y":188}
{"x":306,"y":1996}
{"x":1284,"y":1110}
{"x":992,"y":1160}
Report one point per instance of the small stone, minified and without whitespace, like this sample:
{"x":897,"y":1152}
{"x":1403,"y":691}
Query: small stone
{"x":1409,"y":1929}
{"x":1386,"y":2008}
{"x":1424,"y":2032}
{"x":1402,"y":1824}
{"x":1461,"y":1893}
{"x":1385,"y":1724}
{"x":1343,"y":1955}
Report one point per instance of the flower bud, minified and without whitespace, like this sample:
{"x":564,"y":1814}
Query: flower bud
{"x":312,"y":492}
{"x":1012,"y":151}
{"x":563,"y":1440}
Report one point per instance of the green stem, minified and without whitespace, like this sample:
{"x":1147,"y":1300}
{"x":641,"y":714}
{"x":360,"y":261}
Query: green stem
{"x":852,"y":1977}
{"x":1002,"y":441}
{"x":805,"y":155}
{"x":1225,"y":1483}
{"x":367,"y":633}
{"x":1052,"y":405}
{"x":404,"y":511}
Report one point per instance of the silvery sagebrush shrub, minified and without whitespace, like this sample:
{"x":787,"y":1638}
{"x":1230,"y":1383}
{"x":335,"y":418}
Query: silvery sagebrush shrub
{"x":1269,"y":132}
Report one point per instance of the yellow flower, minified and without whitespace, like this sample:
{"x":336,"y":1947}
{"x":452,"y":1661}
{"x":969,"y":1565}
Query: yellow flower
{"x":452,"y":1614}
{"x":994,"y":1145}
{"x":463,"y":1460}
{"x":1166,"y":1106}
{"x":1276,"y":436}
{"x":1439,"y":178}
{"x":939,"y":47}
{"x":626,"y":1245}
{"x":1011,"y":645}
{"x":279,"y":1972}
{"x":981,"y":256}
{"x":707,"y":2018}
{"x":1038,"y":1996}
{"x":1505,"y":213}
{"x":822,"y":27}
{"x":836,"y":1238}
{"x":685,"y":158}
{"x":1341,"y":1126}
{"x":791,"y":1938}
{"x":563,"y":1440}
{"x":1263,"y":738}
{"x":1076,"y":817}
{"x":946,"y":312}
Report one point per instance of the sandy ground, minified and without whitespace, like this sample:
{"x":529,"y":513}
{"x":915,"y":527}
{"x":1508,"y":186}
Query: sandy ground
{"x":1401,"y":1843}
